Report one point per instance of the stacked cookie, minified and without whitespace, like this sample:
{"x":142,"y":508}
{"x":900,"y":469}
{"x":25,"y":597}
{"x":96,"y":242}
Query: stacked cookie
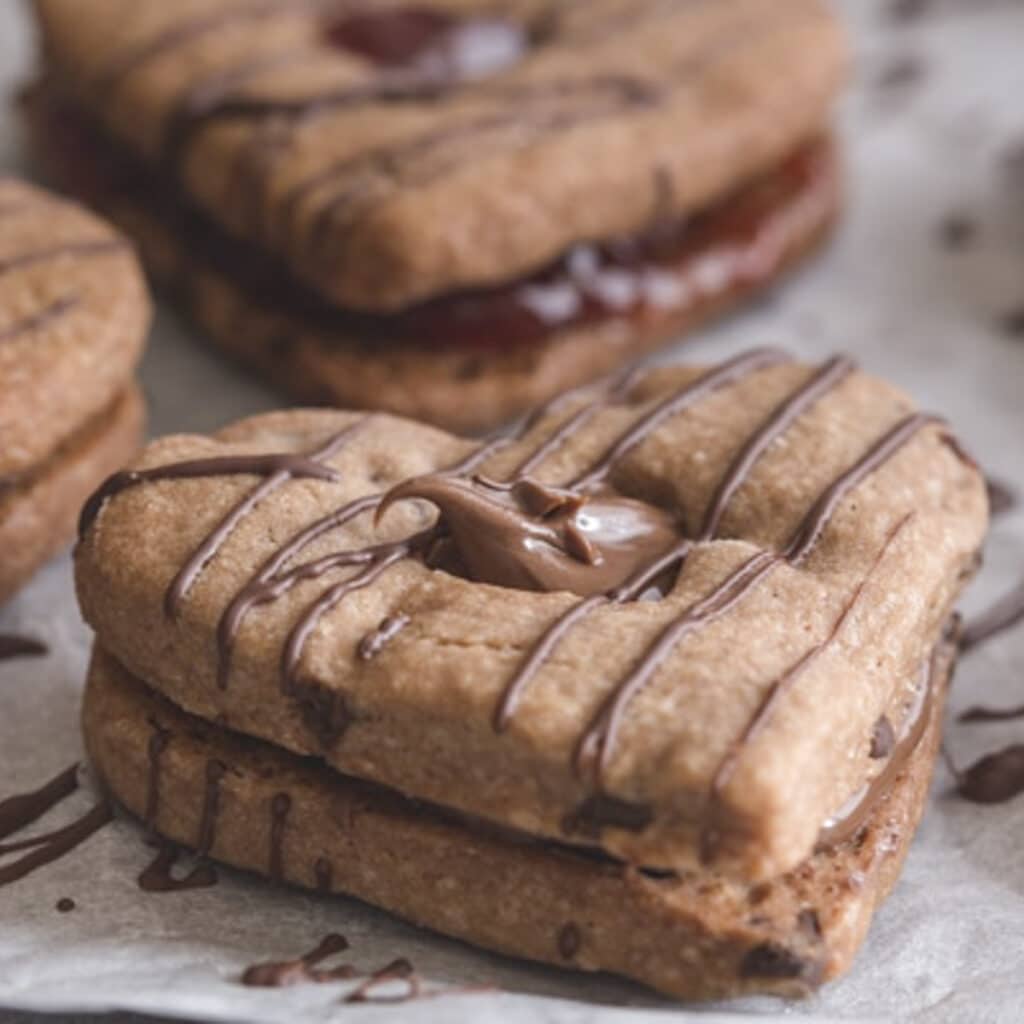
{"x":451,"y":211}
{"x":73,"y":315}
{"x":652,"y":684}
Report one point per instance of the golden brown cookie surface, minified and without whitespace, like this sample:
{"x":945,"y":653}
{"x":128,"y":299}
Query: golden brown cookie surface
{"x":825,"y":530}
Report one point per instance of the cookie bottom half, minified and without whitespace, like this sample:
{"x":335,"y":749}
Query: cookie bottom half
{"x":39,"y":509}
{"x":405,"y":363}
{"x":694,"y":936}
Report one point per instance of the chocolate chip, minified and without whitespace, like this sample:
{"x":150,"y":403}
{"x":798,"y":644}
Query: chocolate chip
{"x":325,"y":713}
{"x":807,"y":921}
{"x":902,"y":11}
{"x":1012,"y":323}
{"x":901,"y":72}
{"x":770,"y":960}
{"x":883,"y":739}
{"x":569,"y":941}
{"x":957,"y":231}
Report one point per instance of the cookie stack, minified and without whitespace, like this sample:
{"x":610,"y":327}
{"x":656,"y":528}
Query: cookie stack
{"x":73,"y":315}
{"x":452,"y":211}
{"x":651,"y":684}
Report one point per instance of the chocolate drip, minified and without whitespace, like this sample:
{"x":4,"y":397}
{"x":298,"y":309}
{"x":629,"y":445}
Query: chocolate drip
{"x":280,"y":808}
{"x":981,"y":714}
{"x":323,"y":871}
{"x":1006,"y":613}
{"x":995,"y":778}
{"x":304,"y":970}
{"x":851,"y":817}
{"x":288,"y":465}
{"x":158,"y":741}
{"x":54,"y":845}
{"x":373,"y":643}
{"x":18,"y":811}
{"x":1002,"y":498}
{"x":158,"y":876}
{"x":398,"y":970}
{"x":21,"y":647}
{"x":49,"y":313}
{"x":215,"y":772}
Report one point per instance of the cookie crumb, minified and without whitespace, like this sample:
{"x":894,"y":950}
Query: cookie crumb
{"x":569,"y":941}
{"x":901,"y":73}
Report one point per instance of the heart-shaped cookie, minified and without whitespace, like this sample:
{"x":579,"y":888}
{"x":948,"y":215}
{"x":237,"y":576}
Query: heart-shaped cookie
{"x":718,"y":595}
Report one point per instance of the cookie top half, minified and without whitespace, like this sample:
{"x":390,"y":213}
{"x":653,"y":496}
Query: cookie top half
{"x":671,"y":615}
{"x":388,"y":152}
{"x":74,"y":312}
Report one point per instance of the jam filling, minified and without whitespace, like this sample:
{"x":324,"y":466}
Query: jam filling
{"x":433,"y":44}
{"x":676,"y":267}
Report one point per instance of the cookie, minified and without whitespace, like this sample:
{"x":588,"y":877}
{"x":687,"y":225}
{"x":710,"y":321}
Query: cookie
{"x":692,"y":936}
{"x":73,"y":316}
{"x":675,"y":615}
{"x":360,"y":205}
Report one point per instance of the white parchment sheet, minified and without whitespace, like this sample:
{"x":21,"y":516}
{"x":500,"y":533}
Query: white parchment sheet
{"x":937,"y":105}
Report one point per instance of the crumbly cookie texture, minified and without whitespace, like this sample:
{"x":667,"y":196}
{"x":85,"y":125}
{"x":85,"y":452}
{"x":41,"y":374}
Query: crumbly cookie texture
{"x":379,"y":193}
{"x":692,"y":936}
{"x":39,"y":512}
{"x":829,"y":529}
{"x":73,"y":317}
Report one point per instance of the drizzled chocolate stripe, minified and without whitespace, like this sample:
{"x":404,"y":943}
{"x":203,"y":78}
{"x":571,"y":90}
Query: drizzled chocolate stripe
{"x":828,"y":377}
{"x":21,"y":647}
{"x":182,"y":33}
{"x":18,"y":812}
{"x":54,"y":311}
{"x":85,"y":248}
{"x":55,"y":845}
{"x":1006,"y":613}
{"x":286,"y":468}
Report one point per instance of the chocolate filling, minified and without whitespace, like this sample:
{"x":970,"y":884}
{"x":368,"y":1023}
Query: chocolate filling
{"x":675,"y":267}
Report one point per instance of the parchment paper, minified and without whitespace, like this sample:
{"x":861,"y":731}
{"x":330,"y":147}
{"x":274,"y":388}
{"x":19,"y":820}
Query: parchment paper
{"x":935,"y":109}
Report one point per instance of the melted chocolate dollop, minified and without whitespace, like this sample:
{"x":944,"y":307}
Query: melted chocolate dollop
{"x":528,"y":536}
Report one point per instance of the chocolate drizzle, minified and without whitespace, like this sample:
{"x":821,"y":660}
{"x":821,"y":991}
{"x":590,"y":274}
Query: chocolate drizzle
{"x":1006,"y":613}
{"x":159,"y":876}
{"x":158,"y":741}
{"x":304,"y":970}
{"x":18,"y":812}
{"x":995,"y":778}
{"x":21,"y":647}
{"x":280,"y":808}
{"x":398,"y":970}
{"x":215,"y":772}
{"x":373,"y":643}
